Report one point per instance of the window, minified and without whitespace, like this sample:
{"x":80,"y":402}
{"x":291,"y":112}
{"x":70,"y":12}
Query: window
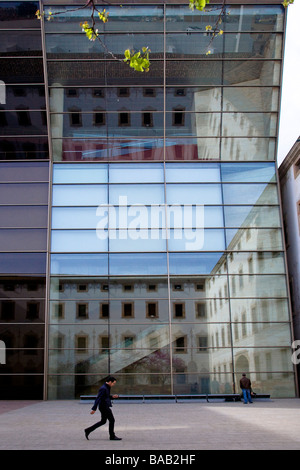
{"x":178,"y":117}
{"x":23,"y":118}
{"x":99,"y":118}
{"x":75,"y":119}
{"x":180,"y":344}
{"x":104,"y":310}
{"x":179,"y":92}
{"x":128,"y":341}
{"x":82,"y":288}
{"x":104,"y":344}
{"x":81,"y":310}
{"x":152,"y":309}
{"x":149,"y":92}
{"x":7,"y":310}
{"x":200,"y":310}
{"x":124,"y":119}
{"x":81,"y":343}
{"x":72,"y":92}
{"x":147,"y":119}
{"x":98,"y":93}
{"x":152,"y":288}
{"x":202,"y":343}
{"x":179,"y":310}
{"x":59,"y":310}
{"x":32,"y":311}
{"x":123,"y":92}
{"x":128,"y":288}
{"x":127,"y":310}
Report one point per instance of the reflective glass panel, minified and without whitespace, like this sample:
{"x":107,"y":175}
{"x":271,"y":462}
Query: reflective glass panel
{"x":23,"y":263}
{"x":18,"y":14}
{"x":192,"y":173}
{"x":106,"y":98}
{"x":182,"y":148}
{"x":260,"y":310}
{"x":256,"y":263}
{"x":24,"y":171}
{"x":277,"y":384}
{"x":194,"y":194}
{"x":257,"y":71}
{"x":243,"y":124}
{"x":247,"y":148}
{"x":95,"y":264}
{"x":123,"y":194}
{"x":258,"y":286}
{"x":62,"y":46}
{"x":127,"y":18}
{"x":28,"y":70}
{"x":70,"y":173}
{"x":199,"y":99}
{"x":23,"y":239}
{"x":24,"y":96}
{"x":15,"y":43}
{"x":24,"y":193}
{"x":252,"y":216}
{"x":251,"y":172}
{"x":193,"y":72}
{"x":254,"y":239}
{"x":259,"y":99}
{"x":79,"y":195}
{"x":193,"y":263}
{"x":100,"y":73}
{"x":250,"y":193}
{"x":78,"y":241}
{"x":24,"y":148}
{"x":24,"y":122}
{"x":138,"y":264}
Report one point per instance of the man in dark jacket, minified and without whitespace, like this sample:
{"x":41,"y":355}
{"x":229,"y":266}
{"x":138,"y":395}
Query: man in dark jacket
{"x":103,"y":402}
{"x":245,"y":385}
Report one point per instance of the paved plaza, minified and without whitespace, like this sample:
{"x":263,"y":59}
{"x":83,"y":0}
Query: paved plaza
{"x":59,"y":425}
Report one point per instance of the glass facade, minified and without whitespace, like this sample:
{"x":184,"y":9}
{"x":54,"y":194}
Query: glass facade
{"x":144,"y":206}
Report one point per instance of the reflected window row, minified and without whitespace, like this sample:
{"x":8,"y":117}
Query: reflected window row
{"x":200,"y":99}
{"x":216,"y":309}
{"x":152,"y":123}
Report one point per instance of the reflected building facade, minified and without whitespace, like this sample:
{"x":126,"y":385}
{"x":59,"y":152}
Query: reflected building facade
{"x":149,"y":208}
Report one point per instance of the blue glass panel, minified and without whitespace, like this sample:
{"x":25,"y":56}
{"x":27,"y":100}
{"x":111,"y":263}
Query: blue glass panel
{"x":248,"y":172}
{"x":194,"y":194}
{"x":78,"y":241}
{"x":136,"y":173}
{"x":74,"y":217}
{"x":79,"y":264}
{"x":192,"y":172}
{"x":79,"y":195}
{"x":137,"y":240}
{"x":193,"y":263}
{"x":138,"y":264}
{"x":136,"y":194}
{"x":196,"y":240}
{"x":80,"y":173}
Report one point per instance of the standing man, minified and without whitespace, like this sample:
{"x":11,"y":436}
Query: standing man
{"x":245,"y":385}
{"x":103,"y":401}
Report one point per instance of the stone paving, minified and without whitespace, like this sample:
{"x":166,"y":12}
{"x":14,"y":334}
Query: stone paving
{"x":59,"y":425}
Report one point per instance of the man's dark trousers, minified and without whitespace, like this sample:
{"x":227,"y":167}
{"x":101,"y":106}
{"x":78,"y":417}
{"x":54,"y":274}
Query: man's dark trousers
{"x":106,"y":414}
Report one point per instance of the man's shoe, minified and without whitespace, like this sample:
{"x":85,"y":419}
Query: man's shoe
{"x":86,"y":434}
{"x":115,"y":438}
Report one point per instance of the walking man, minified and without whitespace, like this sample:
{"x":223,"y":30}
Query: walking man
{"x":245,"y":385}
{"x":103,"y":402}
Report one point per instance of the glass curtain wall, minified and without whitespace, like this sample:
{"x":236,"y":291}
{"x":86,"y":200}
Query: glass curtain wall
{"x":167,"y":260}
{"x":24,"y":186}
